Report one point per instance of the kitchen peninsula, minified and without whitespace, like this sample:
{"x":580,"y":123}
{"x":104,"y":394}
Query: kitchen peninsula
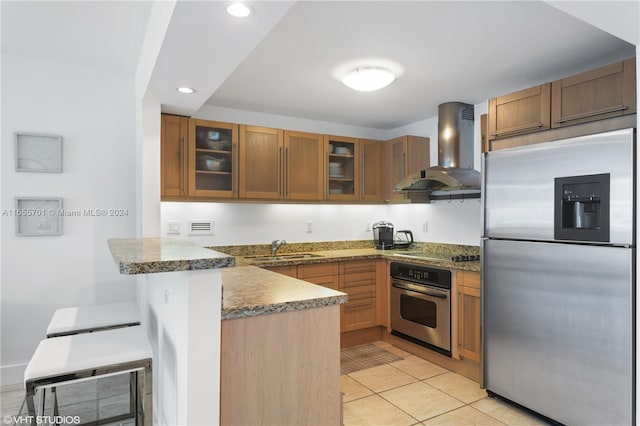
{"x":363,"y":272}
{"x":260,"y":327}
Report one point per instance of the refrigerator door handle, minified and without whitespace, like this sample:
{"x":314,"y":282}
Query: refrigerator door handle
{"x":483,"y":185}
{"x":483,"y":268}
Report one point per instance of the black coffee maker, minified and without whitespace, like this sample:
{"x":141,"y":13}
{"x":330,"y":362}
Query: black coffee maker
{"x":383,"y":235}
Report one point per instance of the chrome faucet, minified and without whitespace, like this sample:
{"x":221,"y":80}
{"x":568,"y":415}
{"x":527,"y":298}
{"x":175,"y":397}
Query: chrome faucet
{"x":275,"y":245}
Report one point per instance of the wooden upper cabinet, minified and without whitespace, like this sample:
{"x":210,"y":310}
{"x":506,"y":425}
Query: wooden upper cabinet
{"x":261,"y":158}
{"x":405,"y":155}
{"x":304,"y":166}
{"x":213,"y":159}
{"x":343,"y":166}
{"x":524,"y":111}
{"x":604,"y":92}
{"x":173,"y":155}
{"x":371,"y":170}
{"x":484,"y":133}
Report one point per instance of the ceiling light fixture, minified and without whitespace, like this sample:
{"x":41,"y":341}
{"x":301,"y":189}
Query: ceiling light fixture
{"x":187,"y":90}
{"x":239,"y":10}
{"x":367,"y":79}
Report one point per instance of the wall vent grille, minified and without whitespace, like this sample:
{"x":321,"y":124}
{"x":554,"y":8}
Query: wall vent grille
{"x":201,"y":227}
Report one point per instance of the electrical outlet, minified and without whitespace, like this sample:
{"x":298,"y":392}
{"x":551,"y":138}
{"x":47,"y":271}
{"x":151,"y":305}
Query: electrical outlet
{"x":425,"y":226}
{"x":367,"y":227}
{"x":166,"y":297}
{"x":309,"y":227}
{"x":173,"y":227}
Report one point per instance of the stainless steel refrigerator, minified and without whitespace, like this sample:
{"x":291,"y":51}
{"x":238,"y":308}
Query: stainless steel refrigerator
{"x":558,"y":278}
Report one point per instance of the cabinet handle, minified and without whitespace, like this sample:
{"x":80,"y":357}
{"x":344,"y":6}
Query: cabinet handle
{"x":281,"y":171}
{"x":592,"y":113}
{"x":362,"y":176}
{"x":235,"y":172}
{"x":185,"y":165}
{"x":519,"y":129}
{"x":326,"y":181}
{"x":286,"y":162}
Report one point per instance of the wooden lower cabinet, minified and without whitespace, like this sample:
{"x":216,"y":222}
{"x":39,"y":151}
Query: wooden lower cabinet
{"x":365,"y":281}
{"x":324,"y":274}
{"x":281,"y":369}
{"x":358,"y":280}
{"x":289,"y":270}
{"x":469,"y":326}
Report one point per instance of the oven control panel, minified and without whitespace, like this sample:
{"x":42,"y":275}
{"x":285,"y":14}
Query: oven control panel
{"x":421,"y":274}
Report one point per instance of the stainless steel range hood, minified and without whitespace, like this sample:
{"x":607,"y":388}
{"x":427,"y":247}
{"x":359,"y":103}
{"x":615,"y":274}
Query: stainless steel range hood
{"x":454,"y":176}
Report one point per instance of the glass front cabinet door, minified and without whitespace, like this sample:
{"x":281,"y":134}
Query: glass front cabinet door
{"x":213,"y":159}
{"x":342,"y":165}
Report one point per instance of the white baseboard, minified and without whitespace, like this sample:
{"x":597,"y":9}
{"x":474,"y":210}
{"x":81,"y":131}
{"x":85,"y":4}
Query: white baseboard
{"x":12,"y":374}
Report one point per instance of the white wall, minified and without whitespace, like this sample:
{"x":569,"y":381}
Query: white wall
{"x":184,"y":331}
{"x":94,"y":112}
{"x":238,"y":223}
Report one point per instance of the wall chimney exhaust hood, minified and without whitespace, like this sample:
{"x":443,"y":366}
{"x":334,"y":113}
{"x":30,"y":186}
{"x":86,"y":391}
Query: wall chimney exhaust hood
{"x":454,"y":176}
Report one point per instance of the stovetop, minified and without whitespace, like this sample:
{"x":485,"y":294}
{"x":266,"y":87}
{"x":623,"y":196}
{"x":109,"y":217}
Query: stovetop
{"x":427,"y":256}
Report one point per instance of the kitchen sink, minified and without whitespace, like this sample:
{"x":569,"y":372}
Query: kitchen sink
{"x":284,"y":256}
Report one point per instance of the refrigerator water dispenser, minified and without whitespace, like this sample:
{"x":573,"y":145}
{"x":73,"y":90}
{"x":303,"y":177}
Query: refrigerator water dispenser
{"x":582,"y":208}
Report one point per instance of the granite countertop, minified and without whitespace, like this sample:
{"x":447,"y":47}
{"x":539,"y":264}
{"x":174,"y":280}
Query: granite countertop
{"x":151,"y":255}
{"x":251,"y":291}
{"x":439,"y":254}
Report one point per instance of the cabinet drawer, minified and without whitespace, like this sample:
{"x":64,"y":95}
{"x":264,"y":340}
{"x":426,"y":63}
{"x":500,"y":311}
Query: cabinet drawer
{"x":357,"y":280}
{"x":330,"y":281}
{"x":360,"y":292}
{"x":358,"y":314}
{"x":358,"y":266}
{"x":317,"y":270}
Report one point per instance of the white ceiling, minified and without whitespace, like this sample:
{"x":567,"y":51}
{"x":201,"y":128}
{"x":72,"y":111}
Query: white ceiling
{"x":281,"y":60}
{"x":103,"y":34}
{"x":450,"y":51}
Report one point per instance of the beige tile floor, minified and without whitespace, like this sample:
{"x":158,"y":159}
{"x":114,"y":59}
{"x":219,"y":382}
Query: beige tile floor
{"x":417,"y":392}
{"x":408,"y":392}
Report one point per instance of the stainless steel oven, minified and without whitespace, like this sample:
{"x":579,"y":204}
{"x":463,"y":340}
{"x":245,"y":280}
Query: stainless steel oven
{"x":421,"y":305}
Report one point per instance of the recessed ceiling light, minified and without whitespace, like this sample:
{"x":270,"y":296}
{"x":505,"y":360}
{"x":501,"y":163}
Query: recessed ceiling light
{"x":367,"y":79}
{"x":187,"y":90}
{"x":239,"y":10}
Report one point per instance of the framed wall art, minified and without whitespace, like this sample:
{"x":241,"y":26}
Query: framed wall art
{"x":38,"y":216}
{"x":38,"y":153}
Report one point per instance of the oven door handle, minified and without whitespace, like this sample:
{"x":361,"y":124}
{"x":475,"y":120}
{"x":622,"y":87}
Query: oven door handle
{"x":417,"y":289}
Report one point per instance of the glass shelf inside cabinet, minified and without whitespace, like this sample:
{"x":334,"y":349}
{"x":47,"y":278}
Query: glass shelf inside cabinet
{"x":213,"y":158}
{"x":341,"y":167}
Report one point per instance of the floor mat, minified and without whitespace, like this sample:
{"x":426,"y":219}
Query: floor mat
{"x":364,"y":356}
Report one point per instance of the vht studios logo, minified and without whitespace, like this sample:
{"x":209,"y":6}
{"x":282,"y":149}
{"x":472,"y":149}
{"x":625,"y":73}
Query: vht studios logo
{"x":41,"y":420}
